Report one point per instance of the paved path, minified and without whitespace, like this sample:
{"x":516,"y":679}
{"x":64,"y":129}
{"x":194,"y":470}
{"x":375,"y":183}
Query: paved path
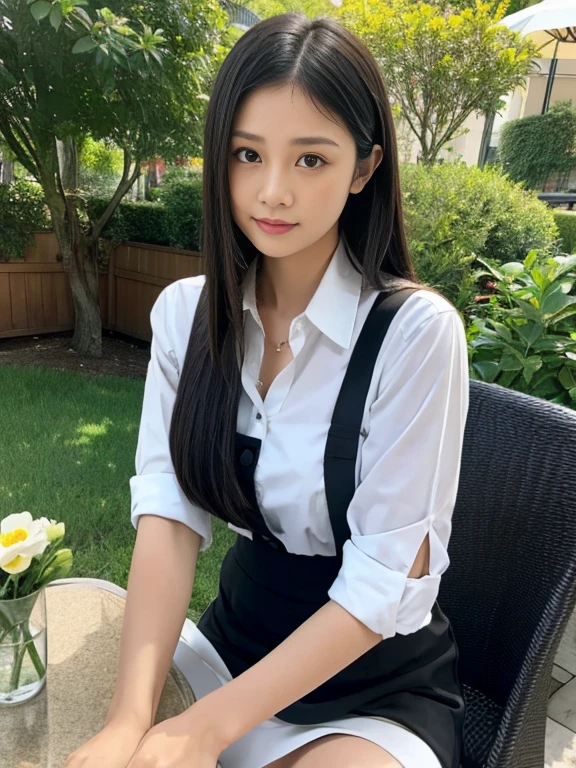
{"x":561,"y":725}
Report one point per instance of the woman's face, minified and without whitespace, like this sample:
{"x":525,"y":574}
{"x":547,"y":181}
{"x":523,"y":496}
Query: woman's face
{"x":288,"y":162}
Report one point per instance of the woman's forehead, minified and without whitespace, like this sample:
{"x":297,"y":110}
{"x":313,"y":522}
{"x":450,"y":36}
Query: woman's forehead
{"x":285,"y":113}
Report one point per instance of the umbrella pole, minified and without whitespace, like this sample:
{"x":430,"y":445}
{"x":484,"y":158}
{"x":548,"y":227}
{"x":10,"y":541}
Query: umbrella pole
{"x":550,"y":81}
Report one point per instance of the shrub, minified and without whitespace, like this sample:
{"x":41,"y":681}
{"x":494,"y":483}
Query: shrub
{"x":524,"y":337}
{"x":141,"y":222}
{"x":534,"y":148}
{"x":183,"y":203}
{"x":566,"y":223}
{"x":454,"y":213}
{"x":174,"y":218}
{"x":23,"y":211}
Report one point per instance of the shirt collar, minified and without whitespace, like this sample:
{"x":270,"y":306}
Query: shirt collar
{"x":334,"y":305}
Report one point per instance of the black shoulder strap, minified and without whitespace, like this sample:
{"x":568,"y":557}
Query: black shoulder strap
{"x":344,"y":434}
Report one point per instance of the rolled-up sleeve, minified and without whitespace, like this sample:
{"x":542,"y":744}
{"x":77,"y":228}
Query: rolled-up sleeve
{"x":410,"y":465}
{"x":154,"y":488}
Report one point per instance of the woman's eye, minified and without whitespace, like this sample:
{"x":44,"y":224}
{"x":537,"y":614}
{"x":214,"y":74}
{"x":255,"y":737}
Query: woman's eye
{"x":250,"y":154}
{"x":312,"y":159}
{"x":312,"y":162}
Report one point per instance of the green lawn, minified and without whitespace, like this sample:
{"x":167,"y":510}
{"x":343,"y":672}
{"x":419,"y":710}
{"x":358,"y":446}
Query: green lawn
{"x":67,"y":447}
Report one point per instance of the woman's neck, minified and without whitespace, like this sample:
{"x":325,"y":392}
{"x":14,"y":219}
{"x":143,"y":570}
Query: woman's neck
{"x":286,"y":285}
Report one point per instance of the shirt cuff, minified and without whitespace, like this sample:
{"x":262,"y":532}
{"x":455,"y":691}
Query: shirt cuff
{"x":160,"y":494}
{"x":386,"y":601}
{"x":368,"y":590}
{"x":417,"y":601}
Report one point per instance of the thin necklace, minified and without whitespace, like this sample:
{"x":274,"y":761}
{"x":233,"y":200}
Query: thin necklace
{"x":280,"y":344}
{"x":259,"y":383}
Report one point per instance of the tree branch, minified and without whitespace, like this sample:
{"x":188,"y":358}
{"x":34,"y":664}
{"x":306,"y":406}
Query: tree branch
{"x":21,"y":155}
{"x":123,"y":187}
{"x":24,"y":139}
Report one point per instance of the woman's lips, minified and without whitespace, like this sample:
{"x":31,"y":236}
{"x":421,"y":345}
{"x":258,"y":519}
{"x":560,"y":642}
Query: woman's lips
{"x":274,"y":229}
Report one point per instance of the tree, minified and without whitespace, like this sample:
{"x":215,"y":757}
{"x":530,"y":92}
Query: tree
{"x":267,"y":8}
{"x":513,"y":6}
{"x":440,"y":64}
{"x":137,"y":75}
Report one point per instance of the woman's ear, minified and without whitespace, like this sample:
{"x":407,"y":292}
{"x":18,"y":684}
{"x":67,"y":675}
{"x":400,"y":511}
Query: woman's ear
{"x":366,"y":168}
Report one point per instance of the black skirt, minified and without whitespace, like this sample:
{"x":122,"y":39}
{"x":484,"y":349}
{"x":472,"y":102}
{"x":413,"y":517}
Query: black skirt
{"x":265,"y":594}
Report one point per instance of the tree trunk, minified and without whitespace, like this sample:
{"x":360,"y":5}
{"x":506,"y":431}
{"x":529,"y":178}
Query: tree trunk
{"x":87,"y":339}
{"x":79,"y":254}
{"x":6,"y":170}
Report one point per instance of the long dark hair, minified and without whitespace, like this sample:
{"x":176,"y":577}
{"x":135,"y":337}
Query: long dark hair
{"x":340,"y":76}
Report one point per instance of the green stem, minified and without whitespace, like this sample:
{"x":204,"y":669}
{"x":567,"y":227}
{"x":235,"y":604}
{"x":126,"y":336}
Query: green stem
{"x":19,"y":650}
{"x":36,"y":660}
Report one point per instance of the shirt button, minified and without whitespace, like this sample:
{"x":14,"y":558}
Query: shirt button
{"x":258,"y":415}
{"x":246,"y":457}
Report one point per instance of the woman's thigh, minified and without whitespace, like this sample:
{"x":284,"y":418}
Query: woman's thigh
{"x":338,"y":751}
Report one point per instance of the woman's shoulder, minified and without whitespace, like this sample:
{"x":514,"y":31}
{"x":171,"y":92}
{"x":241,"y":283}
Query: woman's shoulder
{"x":421,"y":309}
{"x":173,"y":311}
{"x":181,"y":296}
{"x":185,"y":289}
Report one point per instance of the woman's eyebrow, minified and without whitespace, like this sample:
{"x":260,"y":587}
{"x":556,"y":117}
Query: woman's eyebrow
{"x":302,"y":140}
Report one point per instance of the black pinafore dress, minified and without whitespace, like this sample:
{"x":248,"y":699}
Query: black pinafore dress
{"x":266,"y":592}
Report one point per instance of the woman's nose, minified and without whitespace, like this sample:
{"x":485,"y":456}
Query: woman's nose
{"x":275,"y":189}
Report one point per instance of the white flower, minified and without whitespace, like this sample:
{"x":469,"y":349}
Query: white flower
{"x":21,"y":538}
{"x":53,"y":529}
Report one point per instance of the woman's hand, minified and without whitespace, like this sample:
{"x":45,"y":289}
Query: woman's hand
{"x":112,"y":747}
{"x":179,"y":742}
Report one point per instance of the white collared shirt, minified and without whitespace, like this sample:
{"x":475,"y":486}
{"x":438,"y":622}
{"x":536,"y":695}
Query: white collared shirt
{"x":410,"y":449}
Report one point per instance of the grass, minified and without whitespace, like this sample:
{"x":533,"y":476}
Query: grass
{"x":67,"y":448}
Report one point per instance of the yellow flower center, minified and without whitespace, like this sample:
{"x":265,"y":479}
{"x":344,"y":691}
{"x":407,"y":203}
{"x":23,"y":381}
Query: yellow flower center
{"x":13,"y":537}
{"x":13,"y":563}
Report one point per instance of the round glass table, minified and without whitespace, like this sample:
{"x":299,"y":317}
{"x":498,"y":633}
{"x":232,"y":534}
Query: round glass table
{"x":84,"y":626}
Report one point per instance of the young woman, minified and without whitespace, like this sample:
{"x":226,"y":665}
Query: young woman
{"x":333,"y":452}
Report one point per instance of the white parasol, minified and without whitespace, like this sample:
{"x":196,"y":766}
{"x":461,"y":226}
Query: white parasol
{"x":551,"y":26}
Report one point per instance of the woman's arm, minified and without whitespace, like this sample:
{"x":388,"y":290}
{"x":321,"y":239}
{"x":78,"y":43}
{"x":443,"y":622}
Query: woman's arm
{"x":170,"y":530}
{"x":159,"y":590}
{"x":328,"y":642}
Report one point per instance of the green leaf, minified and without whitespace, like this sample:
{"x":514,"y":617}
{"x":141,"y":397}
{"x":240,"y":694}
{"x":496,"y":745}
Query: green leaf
{"x":566,"y":378}
{"x":531,"y":365}
{"x":529,"y":309}
{"x":530,"y":258}
{"x":563,"y":314}
{"x":538,"y":277}
{"x":572,"y":393}
{"x":530,"y":332}
{"x":507,"y":378}
{"x":41,"y":9}
{"x":492,"y":268}
{"x":512,"y":268}
{"x":511,"y":362}
{"x":84,"y":18}
{"x":488,"y":369}
{"x":56,"y":17}
{"x":556,"y":301}
{"x":84,"y":44}
{"x":501,"y":330}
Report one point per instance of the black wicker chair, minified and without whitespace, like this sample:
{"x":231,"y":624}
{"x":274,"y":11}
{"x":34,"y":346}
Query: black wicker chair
{"x":511,"y":585}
